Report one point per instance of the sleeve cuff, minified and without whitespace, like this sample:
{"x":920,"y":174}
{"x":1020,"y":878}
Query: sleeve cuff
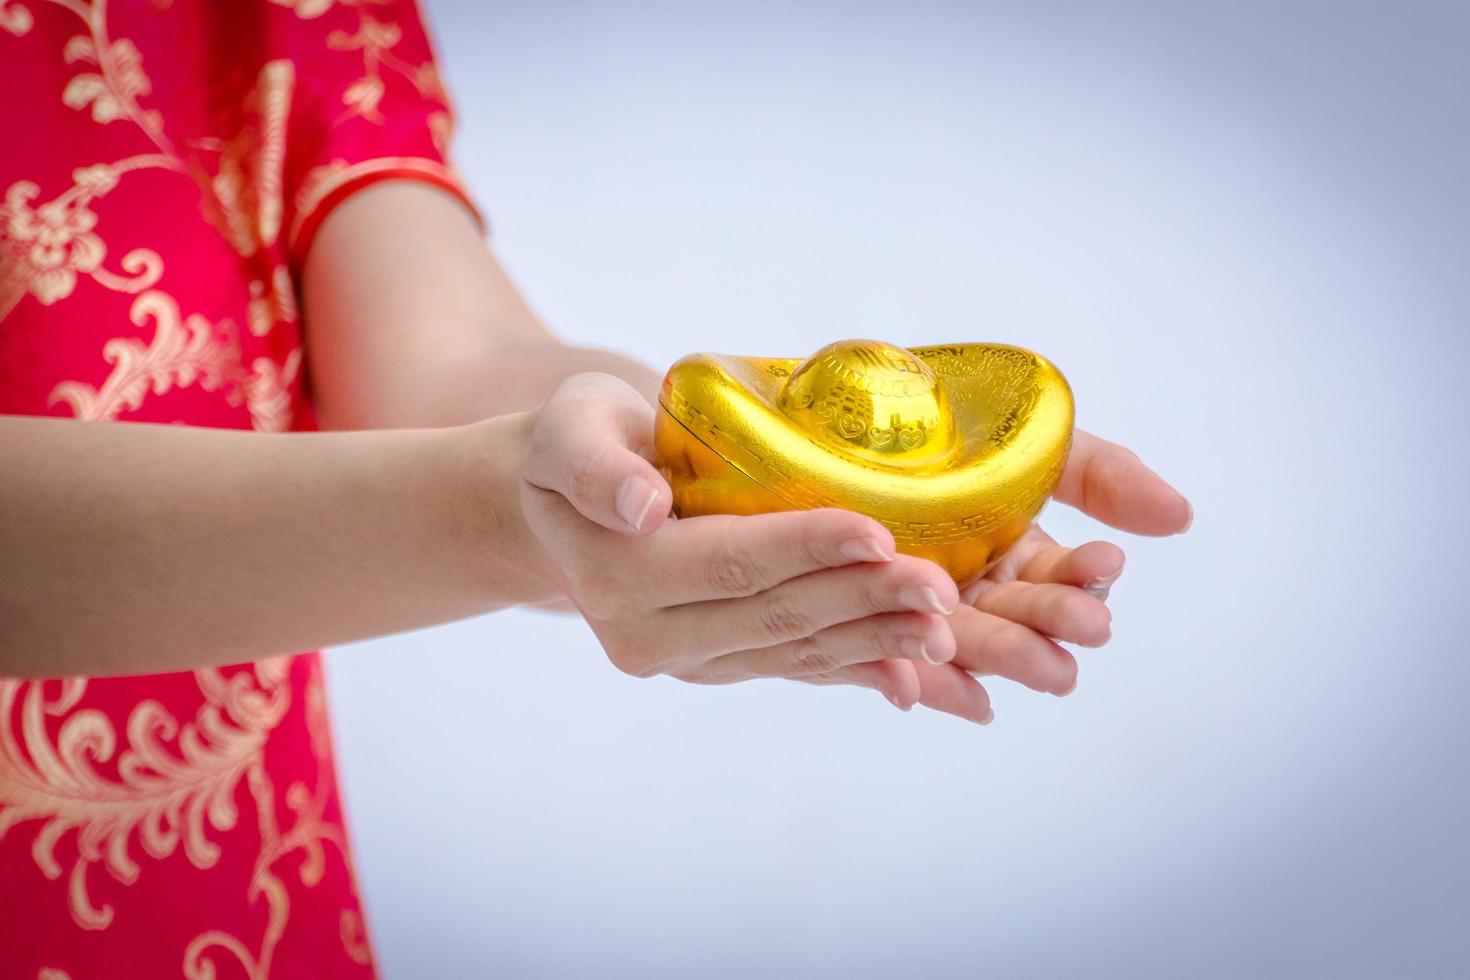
{"x":328,"y":186}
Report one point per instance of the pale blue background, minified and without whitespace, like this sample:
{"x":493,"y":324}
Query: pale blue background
{"x":1241,"y":230}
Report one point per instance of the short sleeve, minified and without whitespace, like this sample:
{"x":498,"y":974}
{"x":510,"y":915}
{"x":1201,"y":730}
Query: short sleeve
{"x":370,"y":105}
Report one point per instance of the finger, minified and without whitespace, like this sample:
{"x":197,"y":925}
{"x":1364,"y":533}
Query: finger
{"x":698,"y":559}
{"x":1093,"y":567}
{"x":947,"y":688}
{"x":1017,"y":555}
{"x":718,"y":556}
{"x":989,"y":644}
{"x":923,"y":637}
{"x":802,"y":606}
{"x":1062,"y":612}
{"x":942,"y":688}
{"x":896,"y":680}
{"x":586,"y":446}
{"x":722,"y":557}
{"x":1110,"y":483}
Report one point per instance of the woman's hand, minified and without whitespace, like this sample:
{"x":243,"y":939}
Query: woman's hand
{"x":818,"y":596}
{"x":811,"y":595}
{"x":1041,"y":594}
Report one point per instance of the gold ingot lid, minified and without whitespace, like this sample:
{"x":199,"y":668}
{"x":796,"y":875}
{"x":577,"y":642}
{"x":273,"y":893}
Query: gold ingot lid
{"x":955,"y":448}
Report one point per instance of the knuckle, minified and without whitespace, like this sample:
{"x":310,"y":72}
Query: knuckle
{"x":629,"y":651}
{"x":537,"y":466}
{"x":876,"y":595}
{"x":888,"y":641}
{"x":1021,"y":640}
{"x":582,"y":475}
{"x":783,"y":619}
{"x":631,"y":659}
{"x":1005,"y":590}
{"x":733,"y":571}
{"x":809,"y":656}
{"x":599,"y":598}
{"x":1116,"y":457}
{"x":1001,"y":593}
{"x":814,"y":549}
{"x":1010,"y":644}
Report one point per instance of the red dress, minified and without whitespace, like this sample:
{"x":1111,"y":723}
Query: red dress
{"x":165,"y":165}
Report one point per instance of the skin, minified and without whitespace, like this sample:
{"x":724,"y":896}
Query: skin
{"x":498,"y":466}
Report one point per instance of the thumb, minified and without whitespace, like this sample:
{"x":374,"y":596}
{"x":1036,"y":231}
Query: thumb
{"x":586,"y":447}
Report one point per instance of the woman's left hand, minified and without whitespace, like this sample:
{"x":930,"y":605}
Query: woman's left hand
{"x":1012,"y":621}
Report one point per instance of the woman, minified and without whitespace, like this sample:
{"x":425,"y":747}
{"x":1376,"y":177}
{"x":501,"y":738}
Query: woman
{"x":239,"y":217}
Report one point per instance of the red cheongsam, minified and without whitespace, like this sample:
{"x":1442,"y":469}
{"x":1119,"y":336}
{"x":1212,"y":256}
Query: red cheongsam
{"x":163,"y":166}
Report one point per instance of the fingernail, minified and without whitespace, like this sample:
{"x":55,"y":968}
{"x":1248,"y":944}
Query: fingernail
{"x":635,"y":499}
{"x":1099,"y":588}
{"x":989,"y":716}
{"x":864,"y":549}
{"x":915,"y":648}
{"x":921,"y":598}
{"x":1188,"y":521}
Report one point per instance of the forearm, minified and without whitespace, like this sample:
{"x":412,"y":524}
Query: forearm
{"x":140,"y":548}
{"x":412,"y":321}
{"x":516,"y":376}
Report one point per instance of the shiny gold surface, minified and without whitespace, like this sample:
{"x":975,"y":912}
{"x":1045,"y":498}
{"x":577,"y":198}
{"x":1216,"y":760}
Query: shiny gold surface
{"x":955,"y":448}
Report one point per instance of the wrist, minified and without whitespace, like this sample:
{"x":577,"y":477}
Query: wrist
{"x":512,"y":568}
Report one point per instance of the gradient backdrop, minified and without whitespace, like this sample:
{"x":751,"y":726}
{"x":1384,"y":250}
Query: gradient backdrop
{"x":1241,"y":230}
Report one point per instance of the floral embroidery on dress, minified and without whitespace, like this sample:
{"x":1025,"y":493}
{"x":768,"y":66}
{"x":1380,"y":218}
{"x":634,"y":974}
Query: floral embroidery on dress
{"x":183,"y":351}
{"x":164,"y":796}
{"x":307,"y":834}
{"x":123,"y":782}
{"x":272,"y":301}
{"x":268,"y":392}
{"x":246,"y":193}
{"x":306,"y":9}
{"x":113,"y":90}
{"x":43,"y":249}
{"x":52,"y":243}
{"x":376,"y":40}
{"x":15,"y":18}
{"x":112,"y":96}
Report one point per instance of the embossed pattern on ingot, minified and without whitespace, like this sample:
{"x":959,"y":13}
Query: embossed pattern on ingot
{"x":955,"y":448}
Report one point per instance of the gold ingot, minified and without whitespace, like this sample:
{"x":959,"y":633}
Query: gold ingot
{"x":954,"y":448}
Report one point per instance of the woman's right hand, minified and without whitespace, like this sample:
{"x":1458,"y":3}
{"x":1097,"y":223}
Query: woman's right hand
{"x":818,"y":596}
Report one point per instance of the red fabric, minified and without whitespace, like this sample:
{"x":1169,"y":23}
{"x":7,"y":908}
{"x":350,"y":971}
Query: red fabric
{"x":165,"y":165}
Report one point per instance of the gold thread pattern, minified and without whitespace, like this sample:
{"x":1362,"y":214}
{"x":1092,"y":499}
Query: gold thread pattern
{"x":44,"y":249}
{"x":184,"y":351}
{"x":246,"y":193}
{"x":181,"y":776}
{"x":15,"y":18}
{"x":165,"y":796}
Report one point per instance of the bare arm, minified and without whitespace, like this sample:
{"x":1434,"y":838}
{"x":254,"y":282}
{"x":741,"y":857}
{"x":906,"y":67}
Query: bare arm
{"x":142,"y":548}
{"x":465,"y":342}
{"x":411,"y":321}
{"x":245,"y":545}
